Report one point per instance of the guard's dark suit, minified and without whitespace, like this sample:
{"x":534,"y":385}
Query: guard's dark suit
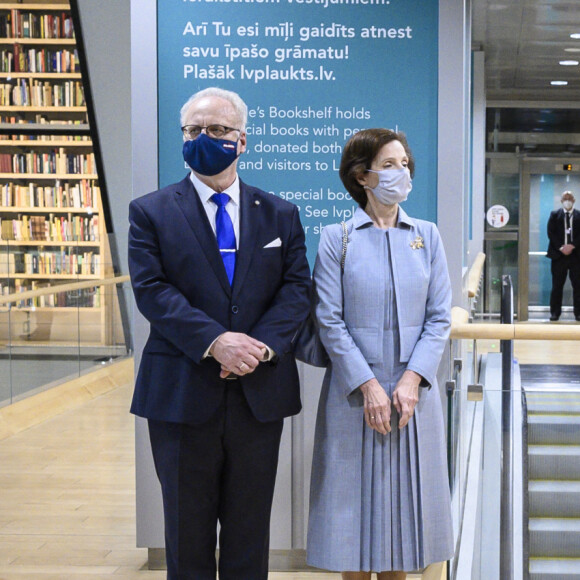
{"x":561,"y":264}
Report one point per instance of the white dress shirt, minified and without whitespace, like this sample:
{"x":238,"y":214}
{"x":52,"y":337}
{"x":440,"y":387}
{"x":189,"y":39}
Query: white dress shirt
{"x":232,"y":207}
{"x":568,"y":233}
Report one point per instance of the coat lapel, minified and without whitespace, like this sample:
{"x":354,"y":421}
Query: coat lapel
{"x":188,"y":201}
{"x":249,"y":227}
{"x":399,"y":241}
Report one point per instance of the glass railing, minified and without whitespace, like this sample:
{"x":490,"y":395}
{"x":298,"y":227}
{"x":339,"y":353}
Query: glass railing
{"x":528,"y":524}
{"x":481,"y":507}
{"x":514,"y":456}
{"x":63,"y":313}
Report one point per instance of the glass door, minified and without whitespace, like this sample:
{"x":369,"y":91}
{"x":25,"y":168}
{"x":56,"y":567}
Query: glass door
{"x":543,"y":182}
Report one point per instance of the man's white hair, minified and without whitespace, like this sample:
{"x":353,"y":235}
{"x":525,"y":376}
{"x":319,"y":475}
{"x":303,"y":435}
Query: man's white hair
{"x":235,"y":99}
{"x":568,"y":193}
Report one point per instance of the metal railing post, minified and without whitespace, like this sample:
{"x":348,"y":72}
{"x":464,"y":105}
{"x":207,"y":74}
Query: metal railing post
{"x":507,"y":352}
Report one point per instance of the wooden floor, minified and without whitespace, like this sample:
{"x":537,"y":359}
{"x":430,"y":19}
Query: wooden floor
{"x":67,"y":498}
{"x":67,"y":490}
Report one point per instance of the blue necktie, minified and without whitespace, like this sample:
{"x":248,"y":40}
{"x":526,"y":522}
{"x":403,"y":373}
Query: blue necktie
{"x":226,"y":237}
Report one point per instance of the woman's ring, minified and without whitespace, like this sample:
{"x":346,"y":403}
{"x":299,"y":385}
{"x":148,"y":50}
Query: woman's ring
{"x":242,"y":365}
{"x":373,"y":417}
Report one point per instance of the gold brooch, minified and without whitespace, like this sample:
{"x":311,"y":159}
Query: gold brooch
{"x":417,"y":243}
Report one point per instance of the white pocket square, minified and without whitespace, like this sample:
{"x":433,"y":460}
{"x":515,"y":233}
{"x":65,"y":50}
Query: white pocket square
{"x":274,"y":244}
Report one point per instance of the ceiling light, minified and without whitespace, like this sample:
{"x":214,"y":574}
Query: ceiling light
{"x":576,"y":35}
{"x":572,"y":50}
{"x":569,"y":62}
{"x":558,"y":83}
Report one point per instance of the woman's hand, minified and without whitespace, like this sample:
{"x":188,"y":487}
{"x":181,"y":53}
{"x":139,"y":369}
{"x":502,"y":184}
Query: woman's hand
{"x":377,"y":406}
{"x":406,"y":396}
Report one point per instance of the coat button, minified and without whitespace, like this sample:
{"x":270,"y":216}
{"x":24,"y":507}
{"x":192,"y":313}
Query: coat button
{"x":235,"y":309}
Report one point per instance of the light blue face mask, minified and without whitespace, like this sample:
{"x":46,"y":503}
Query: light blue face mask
{"x":394,"y":185}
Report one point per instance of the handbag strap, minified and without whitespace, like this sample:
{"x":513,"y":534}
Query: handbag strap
{"x":344,"y":245}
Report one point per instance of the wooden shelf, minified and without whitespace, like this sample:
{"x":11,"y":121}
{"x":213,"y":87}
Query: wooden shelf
{"x":34,"y":209}
{"x":35,"y":143}
{"x":58,"y":327}
{"x":21,"y":276}
{"x":29,"y":109}
{"x":40,"y":75}
{"x":57,"y":344}
{"x":52,"y":308}
{"x":52,"y":243}
{"x":29,"y":6}
{"x":53,"y":176}
{"x":43,"y":41}
{"x":44,"y":129}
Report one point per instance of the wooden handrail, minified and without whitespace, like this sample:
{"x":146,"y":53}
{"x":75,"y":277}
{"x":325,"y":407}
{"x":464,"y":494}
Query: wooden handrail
{"x":475,"y":274}
{"x":460,"y":328}
{"x":56,"y":289}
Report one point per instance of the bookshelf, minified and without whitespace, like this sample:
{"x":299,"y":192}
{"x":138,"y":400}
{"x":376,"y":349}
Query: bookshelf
{"x":52,"y":228}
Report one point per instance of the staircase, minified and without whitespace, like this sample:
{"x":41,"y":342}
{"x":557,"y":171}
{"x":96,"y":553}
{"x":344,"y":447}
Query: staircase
{"x":553,"y":401}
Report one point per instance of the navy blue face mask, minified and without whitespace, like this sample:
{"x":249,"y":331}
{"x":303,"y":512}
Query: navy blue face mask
{"x":208,"y":156}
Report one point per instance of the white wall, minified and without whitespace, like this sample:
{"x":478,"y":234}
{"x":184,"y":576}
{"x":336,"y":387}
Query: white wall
{"x":106,"y":34}
{"x":478,"y":157}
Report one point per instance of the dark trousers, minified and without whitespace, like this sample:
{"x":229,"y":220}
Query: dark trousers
{"x":560,"y":269}
{"x":223,"y":470}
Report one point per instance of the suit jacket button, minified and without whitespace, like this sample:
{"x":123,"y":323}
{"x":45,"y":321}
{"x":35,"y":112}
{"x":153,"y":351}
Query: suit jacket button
{"x":235,"y":309}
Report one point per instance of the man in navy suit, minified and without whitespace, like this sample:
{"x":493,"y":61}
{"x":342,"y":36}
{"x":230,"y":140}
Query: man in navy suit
{"x":563,"y":230}
{"x":224,"y":283}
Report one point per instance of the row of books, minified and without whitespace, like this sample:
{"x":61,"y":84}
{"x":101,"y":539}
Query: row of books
{"x":34,"y":93}
{"x":21,"y":24}
{"x":85,"y":264}
{"x":63,"y":262}
{"x":81,"y":194}
{"x":24,"y":139}
{"x":11,"y":262}
{"x":85,"y":298}
{"x":55,"y":161}
{"x":18,"y":59}
{"x":50,"y":228}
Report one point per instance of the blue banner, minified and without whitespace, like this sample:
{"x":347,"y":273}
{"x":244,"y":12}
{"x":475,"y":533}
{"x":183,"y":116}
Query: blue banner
{"x":312,"y":72}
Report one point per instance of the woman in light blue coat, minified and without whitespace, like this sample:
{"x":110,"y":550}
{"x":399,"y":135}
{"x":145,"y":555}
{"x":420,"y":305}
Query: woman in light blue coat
{"x":379,"y":499}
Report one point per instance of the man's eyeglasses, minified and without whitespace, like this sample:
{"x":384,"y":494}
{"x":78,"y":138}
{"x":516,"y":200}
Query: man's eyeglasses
{"x":216,"y":131}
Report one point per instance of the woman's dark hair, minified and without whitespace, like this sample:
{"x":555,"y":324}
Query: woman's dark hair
{"x":359,"y":153}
